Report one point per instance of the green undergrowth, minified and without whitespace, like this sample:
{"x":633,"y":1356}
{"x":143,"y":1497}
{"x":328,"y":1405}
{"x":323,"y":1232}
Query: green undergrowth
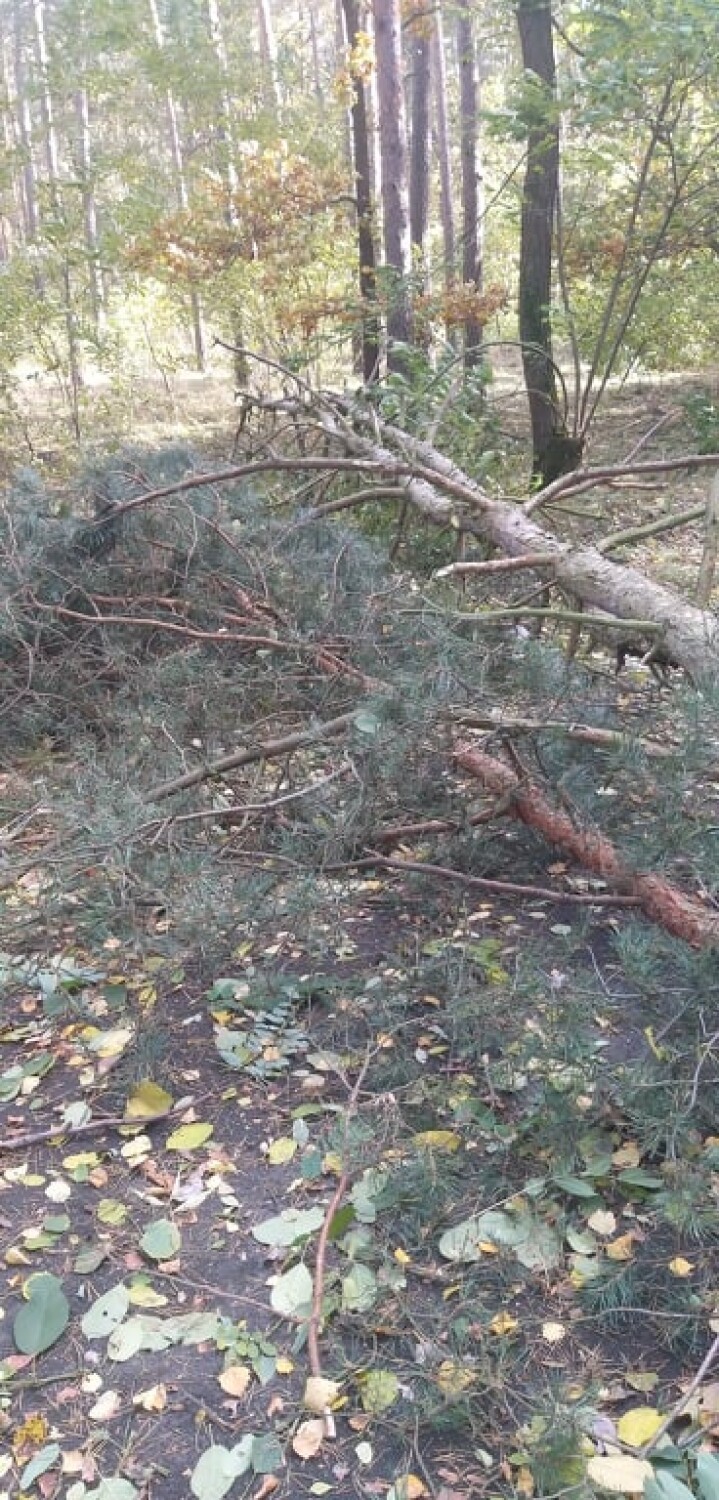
{"x":529,"y":1211}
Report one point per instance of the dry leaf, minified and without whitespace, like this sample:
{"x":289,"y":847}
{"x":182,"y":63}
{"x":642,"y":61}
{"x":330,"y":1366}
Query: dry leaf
{"x":309,"y":1438}
{"x":320,"y":1393}
{"x":153,"y":1399}
{"x":619,"y":1473}
{"x":235,"y":1379}
{"x":628,"y":1155}
{"x":602,"y":1221}
{"x":621,"y":1248}
{"x":503,"y":1322}
{"x":680,"y":1267}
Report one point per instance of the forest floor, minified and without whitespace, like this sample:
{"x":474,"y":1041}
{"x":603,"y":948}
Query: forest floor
{"x":396,"y":1143}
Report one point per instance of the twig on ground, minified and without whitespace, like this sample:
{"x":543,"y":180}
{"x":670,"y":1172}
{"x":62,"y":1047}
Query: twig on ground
{"x":91,"y":1127}
{"x":314,"y":1321}
{"x":500,"y":887}
{"x":684,"y":1399}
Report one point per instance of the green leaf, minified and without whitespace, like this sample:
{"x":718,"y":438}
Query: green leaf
{"x":161,"y":1240}
{"x":380,"y":1389}
{"x":106,"y":1313}
{"x":574,"y":1187}
{"x":291,"y":1295}
{"x":665,"y":1487}
{"x":638,"y":1177}
{"x":189,"y":1137}
{"x":215,"y":1472}
{"x":289,"y":1227}
{"x":708,"y":1476}
{"x":39,"y":1464}
{"x":266,"y":1453}
{"x":44,"y":1316}
{"x":359,"y":1289}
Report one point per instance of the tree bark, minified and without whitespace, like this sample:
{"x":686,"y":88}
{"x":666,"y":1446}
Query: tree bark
{"x":689,"y":635}
{"x":472,"y":247}
{"x":539,"y":197}
{"x":89,"y":210}
{"x":363,"y":197}
{"x":446,"y":196}
{"x":682,"y":915}
{"x":420,"y":51}
{"x":394,"y":164}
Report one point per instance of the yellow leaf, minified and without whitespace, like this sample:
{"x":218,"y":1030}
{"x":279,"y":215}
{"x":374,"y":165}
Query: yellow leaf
{"x":401,"y":1257}
{"x":189,"y":1137}
{"x":503,"y":1322}
{"x":453,"y":1378}
{"x":153,"y":1399}
{"x":309,"y":1437}
{"x":621,"y":1248}
{"x":147,"y":1099}
{"x":143,"y":1295}
{"x":619,"y":1473}
{"x":235,"y":1379}
{"x":409,"y":1487}
{"x":283,"y":1365}
{"x":111,"y":1043}
{"x":680,"y":1267}
{"x":628,"y":1155}
{"x":281,"y":1150}
{"x":638,"y":1426}
{"x":438,"y":1140}
{"x":487,"y":1247}
{"x":524,"y":1482}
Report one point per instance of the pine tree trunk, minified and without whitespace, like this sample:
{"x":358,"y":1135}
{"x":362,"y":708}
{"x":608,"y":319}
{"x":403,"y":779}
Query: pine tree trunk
{"x":89,"y":210}
{"x":363,"y":197}
{"x":420,"y":62}
{"x":446,"y":196}
{"x":539,"y":197}
{"x":394,"y":163}
{"x":472,"y":247}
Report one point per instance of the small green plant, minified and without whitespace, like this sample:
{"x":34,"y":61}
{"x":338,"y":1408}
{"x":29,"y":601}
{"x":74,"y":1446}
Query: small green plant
{"x":702,"y":413}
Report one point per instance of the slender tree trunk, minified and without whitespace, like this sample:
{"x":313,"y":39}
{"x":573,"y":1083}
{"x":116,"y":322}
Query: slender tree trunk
{"x":420,"y":37}
{"x":472,"y":239}
{"x":31,"y":213}
{"x":52,"y":165}
{"x":363,"y":197}
{"x":539,"y":198}
{"x":89,"y":210}
{"x":268,"y":54}
{"x":394,"y":161}
{"x":315,"y":50}
{"x":446,"y":197}
{"x":240,"y":362}
{"x":183,"y":197}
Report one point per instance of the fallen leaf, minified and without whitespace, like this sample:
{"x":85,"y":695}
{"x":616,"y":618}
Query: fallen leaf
{"x":319,"y":1393}
{"x":619,"y":1473}
{"x":621,"y":1248}
{"x":106,"y":1407}
{"x":309,"y":1438}
{"x":602,"y":1221}
{"x":235,"y":1379}
{"x":502,"y":1323}
{"x":152,"y":1399}
{"x":638,"y":1426}
{"x":553,"y":1333}
{"x":680,"y":1267}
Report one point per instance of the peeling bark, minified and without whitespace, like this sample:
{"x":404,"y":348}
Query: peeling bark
{"x":680,"y":914}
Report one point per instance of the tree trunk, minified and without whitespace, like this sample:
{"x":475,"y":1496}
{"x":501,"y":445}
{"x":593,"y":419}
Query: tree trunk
{"x":52,"y":163}
{"x":539,"y":198}
{"x":268,"y":54}
{"x":688,"y":634}
{"x":240,"y":362}
{"x":363,"y":197}
{"x":89,"y":210}
{"x":420,"y":50}
{"x":446,"y":198}
{"x":394,"y":162}
{"x":472,"y":247}
{"x":31,"y":213}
